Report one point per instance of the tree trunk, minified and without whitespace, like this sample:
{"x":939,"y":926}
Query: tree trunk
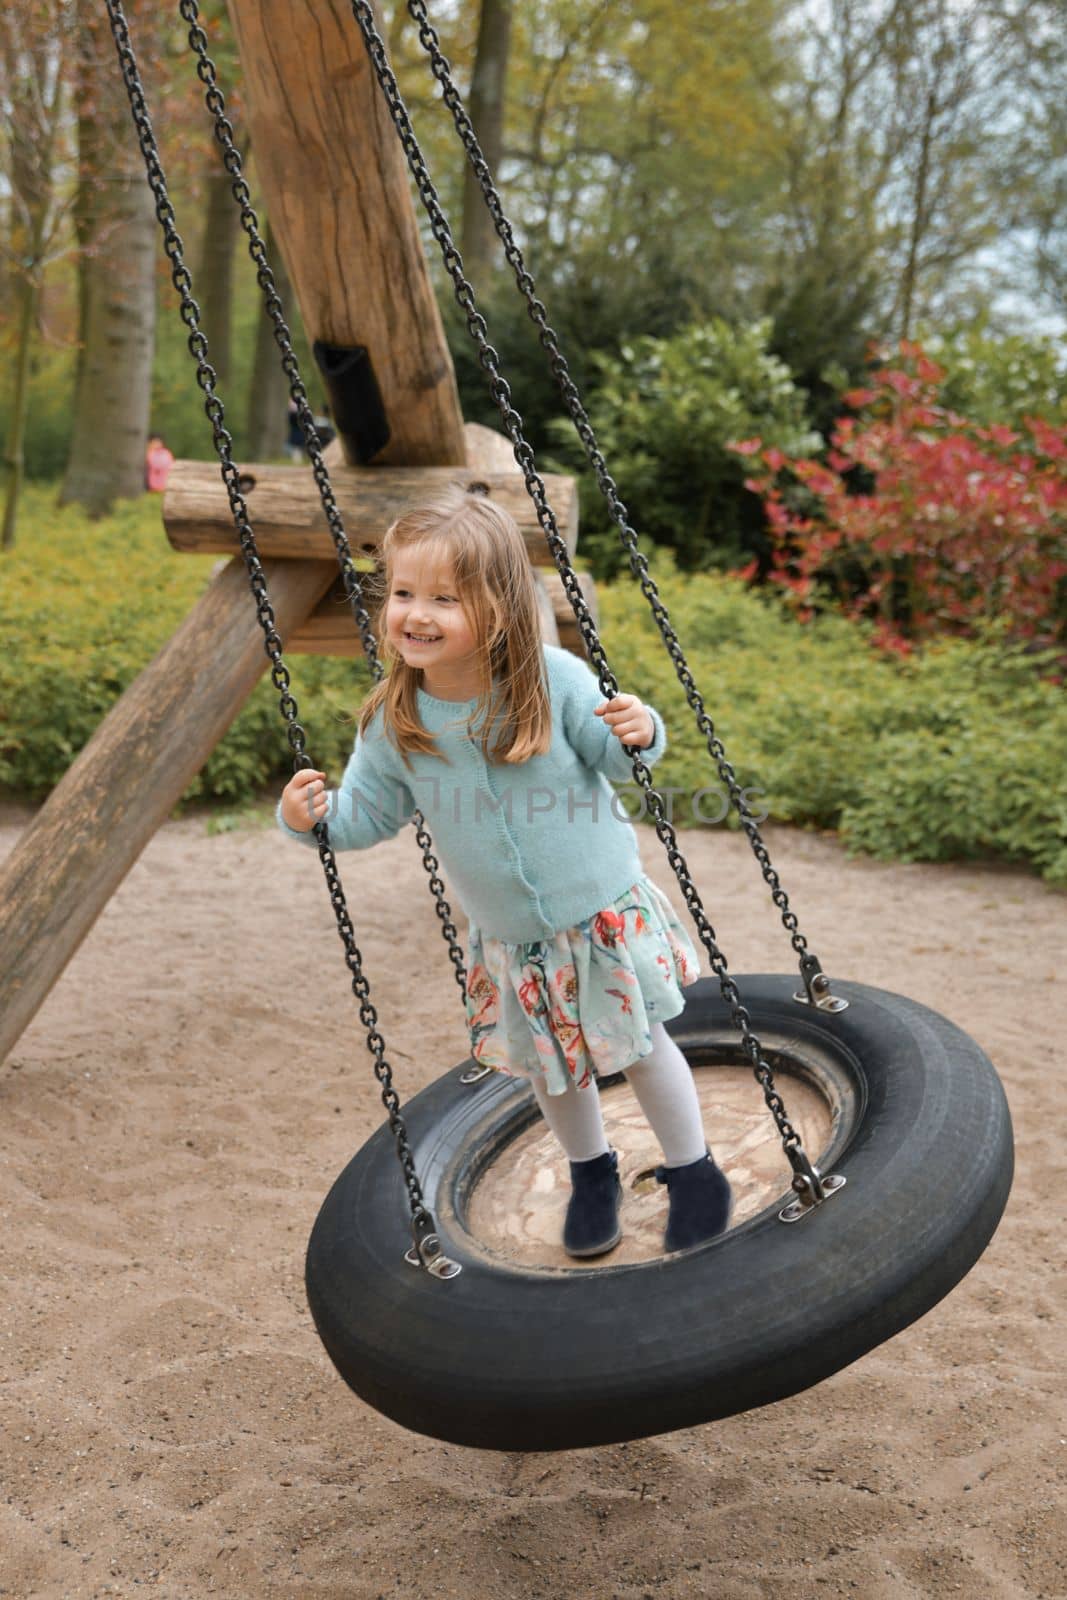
{"x":919,"y":219}
{"x":34,"y":115}
{"x":29,"y":289}
{"x":267,"y":423}
{"x":487,"y":115}
{"x":7,"y":275}
{"x":113,"y":389}
{"x":214,"y":276}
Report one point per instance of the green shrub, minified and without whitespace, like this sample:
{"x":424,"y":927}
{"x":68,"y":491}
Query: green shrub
{"x":586,"y":317}
{"x":1000,"y":378}
{"x":664,"y":412}
{"x":971,"y":761}
{"x":956,"y":752}
{"x":85,"y":605}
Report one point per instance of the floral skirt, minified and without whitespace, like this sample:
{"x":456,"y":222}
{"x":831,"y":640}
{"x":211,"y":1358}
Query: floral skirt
{"x":584,"y":998}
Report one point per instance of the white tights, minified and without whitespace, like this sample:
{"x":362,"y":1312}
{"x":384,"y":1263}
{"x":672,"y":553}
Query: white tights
{"x":665,"y":1092}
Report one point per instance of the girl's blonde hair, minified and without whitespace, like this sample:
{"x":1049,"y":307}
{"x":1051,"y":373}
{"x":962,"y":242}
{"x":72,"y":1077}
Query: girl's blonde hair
{"x":495,"y":587}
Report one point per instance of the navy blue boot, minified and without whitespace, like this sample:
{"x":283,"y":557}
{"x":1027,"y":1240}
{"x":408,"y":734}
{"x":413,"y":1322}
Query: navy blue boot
{"x":700,"y":1202}
{"x":592,"y":1222}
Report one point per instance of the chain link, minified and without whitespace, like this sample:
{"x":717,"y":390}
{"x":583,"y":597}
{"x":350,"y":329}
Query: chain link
{"x":439,"y":65}
{"x":512,"y":422}
{"x":422,"y":1222}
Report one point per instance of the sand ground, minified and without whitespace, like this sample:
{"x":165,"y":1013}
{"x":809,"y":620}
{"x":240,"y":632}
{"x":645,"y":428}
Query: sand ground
{"x":173,"y":1118}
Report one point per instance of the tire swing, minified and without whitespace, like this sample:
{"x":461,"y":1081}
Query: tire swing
{"x":534,"y":1355}
{"x":492,"y":1338}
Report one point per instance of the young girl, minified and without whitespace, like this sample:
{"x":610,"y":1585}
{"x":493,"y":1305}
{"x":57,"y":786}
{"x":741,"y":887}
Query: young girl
{"x":575,"y":958}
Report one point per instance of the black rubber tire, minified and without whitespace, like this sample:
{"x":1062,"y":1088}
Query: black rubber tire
{"x":506,"y":1358}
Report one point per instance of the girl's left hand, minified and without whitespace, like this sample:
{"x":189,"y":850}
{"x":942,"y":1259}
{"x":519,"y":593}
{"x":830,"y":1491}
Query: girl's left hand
{"x":628,"y":720}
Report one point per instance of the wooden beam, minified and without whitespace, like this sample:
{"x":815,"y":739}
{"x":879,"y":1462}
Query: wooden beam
{"x":288,"y":518}
{"x":127,"y":779}
{"x":549,"y":626}
{"x":337,"y":193}
{"x":488,"y":450}
{"x":569,"y":633}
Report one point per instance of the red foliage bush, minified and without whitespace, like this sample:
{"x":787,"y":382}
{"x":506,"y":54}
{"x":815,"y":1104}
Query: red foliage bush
{"x":921,"y":519}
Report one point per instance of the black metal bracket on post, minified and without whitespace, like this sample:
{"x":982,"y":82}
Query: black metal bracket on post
{"x":356,"y":407}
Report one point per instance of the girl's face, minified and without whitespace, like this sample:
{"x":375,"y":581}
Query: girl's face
{"x":427,"y":626}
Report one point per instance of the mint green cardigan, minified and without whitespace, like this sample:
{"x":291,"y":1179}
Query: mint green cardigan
{"x":528,"y":849}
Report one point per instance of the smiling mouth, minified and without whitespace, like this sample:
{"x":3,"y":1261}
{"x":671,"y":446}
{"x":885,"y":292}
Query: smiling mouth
{"x":422,"y":638}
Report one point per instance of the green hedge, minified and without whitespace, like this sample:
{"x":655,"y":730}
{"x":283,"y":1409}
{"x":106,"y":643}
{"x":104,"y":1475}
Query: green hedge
{"x":956,"y":753}
{"x":84,"y":606}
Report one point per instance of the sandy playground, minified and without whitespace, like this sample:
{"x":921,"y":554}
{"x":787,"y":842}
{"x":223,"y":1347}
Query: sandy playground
{"x":173,"y":1118}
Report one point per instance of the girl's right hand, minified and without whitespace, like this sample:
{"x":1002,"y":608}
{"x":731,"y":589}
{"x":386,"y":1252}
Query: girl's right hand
{"x":304,"y":800}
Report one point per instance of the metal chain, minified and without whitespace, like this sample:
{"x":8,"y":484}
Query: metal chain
{"x":572,"y":399}
{"x":805,"y":1174}
{"x":231,"y":160}
{"x":422,"y":1222}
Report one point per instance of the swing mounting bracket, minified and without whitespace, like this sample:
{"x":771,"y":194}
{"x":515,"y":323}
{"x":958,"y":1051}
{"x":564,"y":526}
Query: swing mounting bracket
{"x":427,"y":1252}
{"x":474,"y":1074}
{"x":809,"y":1186}
{"x":817,"y":986}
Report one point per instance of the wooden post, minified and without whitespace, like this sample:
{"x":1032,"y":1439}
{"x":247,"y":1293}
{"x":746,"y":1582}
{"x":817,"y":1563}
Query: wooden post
{"x":127,"y":779}
{"x":336,"y":187}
